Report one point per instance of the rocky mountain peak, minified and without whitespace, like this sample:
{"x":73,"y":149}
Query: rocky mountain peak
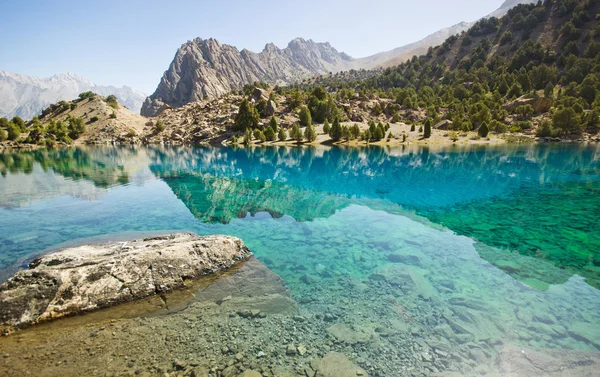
{"x":206,"y":68}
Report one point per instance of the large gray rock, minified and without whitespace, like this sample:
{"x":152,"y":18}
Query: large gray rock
{"x":90,"y":277}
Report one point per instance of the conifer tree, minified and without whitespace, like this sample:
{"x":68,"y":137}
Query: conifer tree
{"x":296,"y":134}
{"x":310,"y":134}
{"x":336,"y":130}
{"x":282,"y":134}
{"x":427,"y":132}
{"x":247,"y":116}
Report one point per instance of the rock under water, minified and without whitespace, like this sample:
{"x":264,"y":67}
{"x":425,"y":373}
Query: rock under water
{"x":90,"y":277}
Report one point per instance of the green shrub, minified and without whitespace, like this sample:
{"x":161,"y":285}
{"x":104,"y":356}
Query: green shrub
{"x":159,"y":127}
{"x":13,"y":131}
{"x":112,"y":101}
{"x":326,"y":127}
{"x":17,"y":121}
{"x":545,"y":130}
{"x":259,"y":135}
{"x":85,"y":95}
{"x":76,"y":127}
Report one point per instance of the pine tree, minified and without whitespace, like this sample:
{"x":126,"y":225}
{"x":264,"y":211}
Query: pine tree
{"x":305,"y":118}
{"x":259,"y":135}
{"x":282,"y":134}
{"x":427,"y":133}
{"x":296,"y":134}
{"x":483,"y":130}
{"x":336,"y":130}
{"x":310,"y":134}
{"x":269,"y":134}
{"x":247,"y":116}
{"x":273,"y":124}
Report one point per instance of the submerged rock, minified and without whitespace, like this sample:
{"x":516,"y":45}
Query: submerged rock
{"x":90,"y":277}
{"x":518,"y":361}
{"x":335,"y":364}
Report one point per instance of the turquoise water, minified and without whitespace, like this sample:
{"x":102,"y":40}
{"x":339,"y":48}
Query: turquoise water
{"x":475,"y":248}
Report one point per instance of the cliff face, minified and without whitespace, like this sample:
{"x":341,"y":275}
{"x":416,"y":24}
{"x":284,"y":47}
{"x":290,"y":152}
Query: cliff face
{"x":207,"y":68}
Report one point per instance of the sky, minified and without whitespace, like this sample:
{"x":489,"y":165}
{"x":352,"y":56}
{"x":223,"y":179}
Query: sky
{"x":132,"y":42}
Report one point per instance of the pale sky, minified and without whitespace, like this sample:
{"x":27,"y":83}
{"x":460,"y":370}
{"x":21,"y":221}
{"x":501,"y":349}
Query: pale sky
{"x":132,"y":42}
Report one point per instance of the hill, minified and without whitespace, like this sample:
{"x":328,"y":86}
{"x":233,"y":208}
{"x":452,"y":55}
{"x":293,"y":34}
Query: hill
{"x":26,"y":96}
{"x":91,"y":119}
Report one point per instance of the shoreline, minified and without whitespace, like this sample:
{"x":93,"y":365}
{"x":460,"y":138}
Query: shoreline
{"x":509,"y":140}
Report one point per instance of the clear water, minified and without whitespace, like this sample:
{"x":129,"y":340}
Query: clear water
{"x":478,"y":248}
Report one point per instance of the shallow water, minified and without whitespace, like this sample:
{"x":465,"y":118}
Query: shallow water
{"x":467,"y":250}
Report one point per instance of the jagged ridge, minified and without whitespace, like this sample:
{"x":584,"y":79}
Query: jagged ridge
{"x":206,"y":68}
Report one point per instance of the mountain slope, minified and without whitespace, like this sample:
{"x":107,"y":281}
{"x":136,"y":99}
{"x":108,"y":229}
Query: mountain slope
{"x":402,"y":54}
{"x":26,"y":96}
{"x":207,"y":68}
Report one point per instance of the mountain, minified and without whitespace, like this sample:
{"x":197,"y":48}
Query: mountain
{"x":402,"y":54}
{"x":206,"y":68}
{"x":26,"y":96}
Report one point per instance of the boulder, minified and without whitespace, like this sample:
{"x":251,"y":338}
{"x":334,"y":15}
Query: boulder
{"x":90,"y":277}
{"x":259,"y":94}
{"x":271,"y":108}
{"x":443,"y":125}
{"x":539,"y":104}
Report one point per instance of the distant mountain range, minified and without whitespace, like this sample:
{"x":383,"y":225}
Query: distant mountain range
{"x":206,"y":68}
{"x":26,"y":96}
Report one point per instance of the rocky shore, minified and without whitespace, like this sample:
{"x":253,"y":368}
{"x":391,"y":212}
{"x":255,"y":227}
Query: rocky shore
{"x":91,"y":277}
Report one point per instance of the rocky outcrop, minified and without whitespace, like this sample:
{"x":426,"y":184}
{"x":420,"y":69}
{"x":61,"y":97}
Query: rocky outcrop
{"x":206,"y":68}
{"x":539,"y":104}
{"x":90,"y":277}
